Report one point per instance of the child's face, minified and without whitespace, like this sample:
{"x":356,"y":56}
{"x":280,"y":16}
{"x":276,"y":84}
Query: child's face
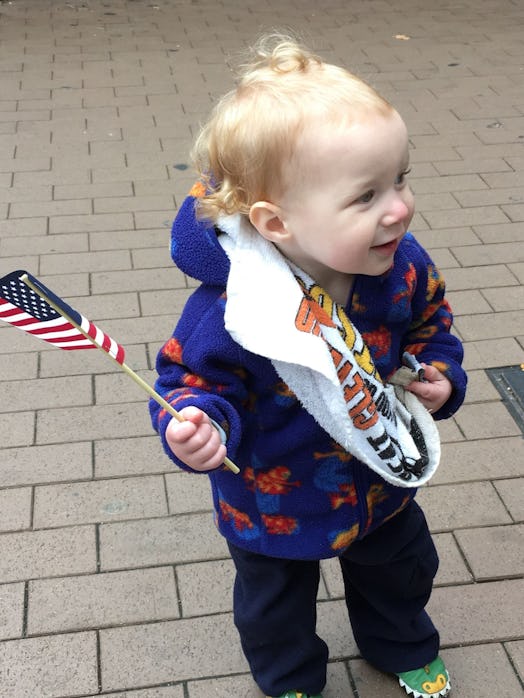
{"x":349,"y":205}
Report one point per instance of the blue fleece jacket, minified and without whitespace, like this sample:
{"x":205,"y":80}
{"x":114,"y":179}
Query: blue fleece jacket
{"x":299,"y":494}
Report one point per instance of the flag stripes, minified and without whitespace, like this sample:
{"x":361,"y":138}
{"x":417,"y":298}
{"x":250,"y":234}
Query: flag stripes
{"x":48,"y":317}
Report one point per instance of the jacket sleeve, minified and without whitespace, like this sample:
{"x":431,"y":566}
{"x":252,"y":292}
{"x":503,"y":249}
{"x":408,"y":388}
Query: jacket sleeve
{"x":429,"y":336}
{"x":200,"y":366}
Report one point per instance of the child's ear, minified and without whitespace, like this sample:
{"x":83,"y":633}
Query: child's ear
{"x":267,"y":219}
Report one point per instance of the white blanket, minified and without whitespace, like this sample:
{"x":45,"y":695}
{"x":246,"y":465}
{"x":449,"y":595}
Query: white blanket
{"x":323,"y":360}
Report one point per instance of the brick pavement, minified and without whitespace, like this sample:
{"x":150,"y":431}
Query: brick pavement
{"x":112,"y":578}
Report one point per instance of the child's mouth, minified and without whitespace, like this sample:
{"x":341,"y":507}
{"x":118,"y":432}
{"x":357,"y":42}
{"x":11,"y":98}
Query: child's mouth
{"x":387,"y":249}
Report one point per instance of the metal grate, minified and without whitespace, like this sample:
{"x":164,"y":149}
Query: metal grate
{"x":509,"y":381}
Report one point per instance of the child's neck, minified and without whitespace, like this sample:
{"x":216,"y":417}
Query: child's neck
{"x":339,"y":288}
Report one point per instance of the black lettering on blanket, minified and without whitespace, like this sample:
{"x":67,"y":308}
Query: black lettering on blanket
{"x":388,"y":450}
{"x":382,"y":402}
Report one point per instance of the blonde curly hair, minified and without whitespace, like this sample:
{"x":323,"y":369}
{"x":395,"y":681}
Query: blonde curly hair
{"x":242,"y":151}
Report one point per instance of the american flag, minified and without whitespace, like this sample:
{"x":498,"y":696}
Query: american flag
{"x":48,"y":317}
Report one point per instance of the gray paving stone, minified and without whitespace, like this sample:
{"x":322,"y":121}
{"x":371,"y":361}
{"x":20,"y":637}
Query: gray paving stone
{"x":512,"y":494}
{"x":37,"y":464}
{"x":99,"y":500}
{"x":101,"y":600}
{"x":160,"y":692}
{"x":130,"y":456}
{"x":477,"y":613}
{"x":206,"y":587}
{"x":92,"y":422}
{"x":450,"y":506}
{"x":452,"y":568}
{"x":57,"y":666}
{"x":142,"y":655}
{"x":481,"y":459}
{"x":41,"y":394}
{"x":516,"y":652}
{"x":33,"y":554}
{"x":17,"y":429}
{"x":187,"y":492}
{"x":11,"y":610}
{"x":464,"y":664}
{"x":15,"y":508}
{"x":504,"y":544}
{"x":491,"y":353}
{"x":487,"y":420}
{"x":186,"y":538}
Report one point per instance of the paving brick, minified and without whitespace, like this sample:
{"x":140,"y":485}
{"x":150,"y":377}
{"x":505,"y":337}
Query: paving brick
{"x":509,"y":298}
{"x":33,"y":554}
{"x":468,"y":302}
{"x":206,"y":587}
{"x":446,"y":237}
{"x":518,"y":271}
{"x":449,"y":507}
{"x":134,"y":239}
{"x":44,"y":244}
{"x":505,"y":546}
{"x":101,"y":600}
{"x":15,"y":509}
{"x":85,"y":261}
{"x":135,"y":203}
{"x":11,"y":610}
{"x":490,"y":353}
{"x":186,"y":538}
{"x":165,"y":302}
{"x":142,"y":655}
{"x":484,"y":276}
{"x":99,"y":500}
{"x":489,"y":254}
{"x":113,"y":387}
{"x":464,"y":217}
{"x":17,"y":429}
{"x":130,"y":456}
{"x":60,"y":363}
{"x":95,"y":422}
{"x":137,"y":280}
{"x":481,"y":165}
{"x":483,"y":459}
{"x":480,"y":388}
{"x":24,"y":226}
{"x":159,"y":692}
{"x":481,"y":421}
{"x":512,"y":495}
{"x":476,"y":613}
{"x":18,"y":366}
{"x":187,"y":493}
{"x":39,"y":464}
{"x":55,"y":666}
{"x":516,"y":652}
{"x":500,"y":324}
{"x":20,"y":394}
{"x":93,"y":222}
{"x":452,"y":568}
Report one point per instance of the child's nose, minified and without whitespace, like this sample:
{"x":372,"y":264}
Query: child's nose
{"x":398,"y":208}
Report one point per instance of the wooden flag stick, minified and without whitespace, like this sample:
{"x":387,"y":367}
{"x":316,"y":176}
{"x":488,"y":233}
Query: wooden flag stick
{"x":138,"y":380}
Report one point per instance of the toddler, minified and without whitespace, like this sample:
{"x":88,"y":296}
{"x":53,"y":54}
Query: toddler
{"x":289,"y":358}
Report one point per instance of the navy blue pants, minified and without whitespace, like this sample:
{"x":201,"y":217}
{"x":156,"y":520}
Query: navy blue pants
{"x":388,"y":577}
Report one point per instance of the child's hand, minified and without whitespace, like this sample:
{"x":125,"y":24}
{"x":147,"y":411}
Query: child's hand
{"x":433,"y":393}
{"x":195,"y":441}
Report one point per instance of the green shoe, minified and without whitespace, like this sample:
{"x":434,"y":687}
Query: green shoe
{"x":432,"y":680}
{"x":298,"y":694}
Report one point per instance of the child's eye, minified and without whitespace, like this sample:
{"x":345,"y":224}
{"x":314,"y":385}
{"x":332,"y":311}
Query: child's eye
{"x":401,"y":179}
{"x":366,"y":198}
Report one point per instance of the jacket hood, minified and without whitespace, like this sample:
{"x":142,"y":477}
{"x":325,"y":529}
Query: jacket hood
{"x":195,"y":248}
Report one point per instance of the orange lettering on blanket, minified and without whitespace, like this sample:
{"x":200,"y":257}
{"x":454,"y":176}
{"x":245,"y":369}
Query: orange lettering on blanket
{"x":361,"y":420}
{"x":305,"y":320}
